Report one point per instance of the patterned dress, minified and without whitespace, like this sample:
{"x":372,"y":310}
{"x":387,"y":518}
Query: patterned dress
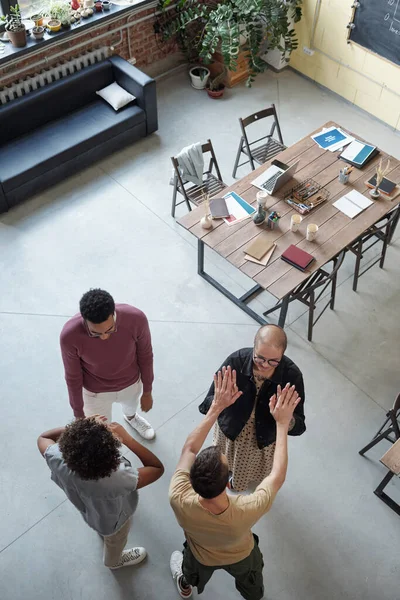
{"x":246,"y":461}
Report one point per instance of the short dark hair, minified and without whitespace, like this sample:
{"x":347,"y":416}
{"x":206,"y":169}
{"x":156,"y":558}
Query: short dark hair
{"x":90,"y":449}
{"x":209,"y":475}
{"x":96,"y":305}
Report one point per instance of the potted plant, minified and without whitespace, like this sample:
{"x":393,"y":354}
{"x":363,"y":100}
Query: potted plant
{"x":216,"y":86}
{"x":254,"y":26}
{"x":199,"y":77}
{"x":15,"y":28}
{"x":38,"y":32}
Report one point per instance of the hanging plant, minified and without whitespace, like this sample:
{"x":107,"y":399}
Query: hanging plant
{"x":254,"y":26}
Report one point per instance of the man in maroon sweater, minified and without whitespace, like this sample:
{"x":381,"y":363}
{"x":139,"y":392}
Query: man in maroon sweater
{"x":107,"y":355}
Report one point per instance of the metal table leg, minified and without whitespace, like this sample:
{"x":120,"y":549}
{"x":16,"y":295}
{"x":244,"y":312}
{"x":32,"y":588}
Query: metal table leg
{"x":240,"y":302}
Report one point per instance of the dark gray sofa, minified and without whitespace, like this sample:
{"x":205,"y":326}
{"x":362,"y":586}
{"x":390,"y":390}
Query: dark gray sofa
{"x":63,"y":127}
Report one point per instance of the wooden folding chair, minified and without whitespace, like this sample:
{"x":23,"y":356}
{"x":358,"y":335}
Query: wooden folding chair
{"x":254,"y":151}
{"x":212,"y":183}
{"x":382,"y":231}
{"x":390,"y":430}
{"x":391,"y":460}
{"x":312,"y":290}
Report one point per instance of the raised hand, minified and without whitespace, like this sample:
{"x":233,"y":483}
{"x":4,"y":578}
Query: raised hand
{"x":283,"y":403}
{"x":225,"y":389}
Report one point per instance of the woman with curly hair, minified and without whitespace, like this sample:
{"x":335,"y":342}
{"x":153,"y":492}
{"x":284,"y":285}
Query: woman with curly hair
{"x":85,"y":461}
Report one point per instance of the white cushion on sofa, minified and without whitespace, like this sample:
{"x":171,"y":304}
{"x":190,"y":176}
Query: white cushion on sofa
{"x":116,"y":96}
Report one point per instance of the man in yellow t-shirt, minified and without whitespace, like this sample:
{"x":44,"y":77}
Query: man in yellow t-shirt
{"x":217,"y":526}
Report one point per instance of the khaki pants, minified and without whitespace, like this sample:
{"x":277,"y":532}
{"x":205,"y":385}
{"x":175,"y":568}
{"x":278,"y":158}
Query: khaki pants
{"x":101,"y":403}
{"x":115,"y":543}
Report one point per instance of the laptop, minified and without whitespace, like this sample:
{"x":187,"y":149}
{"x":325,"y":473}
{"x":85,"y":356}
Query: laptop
{"x":275,"y":177}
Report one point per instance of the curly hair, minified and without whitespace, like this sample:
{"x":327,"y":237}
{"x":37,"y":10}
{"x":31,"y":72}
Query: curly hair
{"x":90,"y":449}
{"x":209,"y":475}
{"x":96,"y":305}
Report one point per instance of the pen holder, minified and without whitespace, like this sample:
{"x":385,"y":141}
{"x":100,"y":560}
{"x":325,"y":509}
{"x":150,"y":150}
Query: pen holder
{"x":343,"y":177}
{"x":272,"y":221}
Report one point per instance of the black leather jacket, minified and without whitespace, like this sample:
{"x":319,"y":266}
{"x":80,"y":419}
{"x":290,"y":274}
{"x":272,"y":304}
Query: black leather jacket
{"x":233,"y":419}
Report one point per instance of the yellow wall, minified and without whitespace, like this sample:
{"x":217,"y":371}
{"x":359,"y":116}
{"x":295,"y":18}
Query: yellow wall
{"x":330,"y":37}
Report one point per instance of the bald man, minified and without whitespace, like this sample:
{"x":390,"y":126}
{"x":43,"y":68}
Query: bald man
{"x":246,"y":431}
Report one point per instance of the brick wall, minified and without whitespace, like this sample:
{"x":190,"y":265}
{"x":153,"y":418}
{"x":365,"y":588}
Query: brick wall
{"x":131,"y":36}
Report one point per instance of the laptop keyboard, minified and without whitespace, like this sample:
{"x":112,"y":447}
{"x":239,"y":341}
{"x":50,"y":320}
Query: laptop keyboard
{"x":269,"y":184}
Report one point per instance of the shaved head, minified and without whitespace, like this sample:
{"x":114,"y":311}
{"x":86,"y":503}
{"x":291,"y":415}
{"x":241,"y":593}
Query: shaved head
{"x":272,"y":335}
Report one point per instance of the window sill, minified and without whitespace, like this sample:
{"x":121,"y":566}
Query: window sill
{"x":99,"y":18}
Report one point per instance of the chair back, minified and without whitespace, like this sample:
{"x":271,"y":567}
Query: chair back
{"x":257,"y":116}
{"x":396,"y":405}
{"x":320,"y":277}
{"x":206,"y":148}
{"x":385,"y":226}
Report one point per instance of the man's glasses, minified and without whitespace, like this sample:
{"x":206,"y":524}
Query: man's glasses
{"x":260,"y":360}
{"x":113,"y":329}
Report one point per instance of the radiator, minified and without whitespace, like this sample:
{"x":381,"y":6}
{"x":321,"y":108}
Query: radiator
{"x":59,"y":71}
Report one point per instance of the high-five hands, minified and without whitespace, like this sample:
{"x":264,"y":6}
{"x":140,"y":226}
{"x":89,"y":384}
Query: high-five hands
{"x":283,"y":403}
{"x":225,"y":389}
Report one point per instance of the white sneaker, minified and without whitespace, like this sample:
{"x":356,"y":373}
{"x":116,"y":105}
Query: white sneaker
{"x":175,"y":564}
{"x":142,"y":426}
{"x":134,"y":556}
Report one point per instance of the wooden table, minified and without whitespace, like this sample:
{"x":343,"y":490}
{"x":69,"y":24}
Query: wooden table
{"x":336,"y":230}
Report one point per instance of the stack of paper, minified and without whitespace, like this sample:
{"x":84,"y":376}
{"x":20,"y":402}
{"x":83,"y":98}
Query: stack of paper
{"x":352,"y":204}
{"x":332,"y":138}
{"x":238,"y":208}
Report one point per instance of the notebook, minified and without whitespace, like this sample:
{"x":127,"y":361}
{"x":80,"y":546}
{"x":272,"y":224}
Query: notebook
{"x":218,"y":208}
{"x":297,"y":257}
{"x":260,"y":246}
{"x":264,"y":260}
{"x":386,"y":186}
{"x":358,"y":153}
{"x":352,"y":204}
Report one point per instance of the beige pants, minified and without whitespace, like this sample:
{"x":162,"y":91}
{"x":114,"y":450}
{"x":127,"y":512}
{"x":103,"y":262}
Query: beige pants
{"x":115,"y":543}
{"x":101,"y":403}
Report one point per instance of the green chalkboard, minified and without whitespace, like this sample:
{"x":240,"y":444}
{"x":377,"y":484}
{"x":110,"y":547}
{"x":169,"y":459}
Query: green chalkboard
{"x":377,"y":27}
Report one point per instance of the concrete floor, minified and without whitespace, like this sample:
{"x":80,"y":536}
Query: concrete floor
{"x":327,"y":537}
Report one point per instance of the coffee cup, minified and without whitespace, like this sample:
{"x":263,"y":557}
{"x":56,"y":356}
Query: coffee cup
{"x":312,"y":230}
{"x":295,"y":221}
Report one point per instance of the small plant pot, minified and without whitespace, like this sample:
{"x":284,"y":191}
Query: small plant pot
{"x":199,"y":77}
{"x":17,"y":38}
{"x":216,"y":93}
{"x":106,"y":5}
{"x":66,"y":24}
{"x":38,"y":20}
{"x":38,"y":32}
{"x":54,"y":25}
{"x":98,"y":6}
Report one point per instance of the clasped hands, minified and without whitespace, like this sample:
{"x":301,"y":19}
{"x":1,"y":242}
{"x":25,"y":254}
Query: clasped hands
{"x":226,"y":392}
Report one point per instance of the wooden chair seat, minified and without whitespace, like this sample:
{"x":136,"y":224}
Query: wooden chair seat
{"x":211,"y":186}
{"x":266,"y":151}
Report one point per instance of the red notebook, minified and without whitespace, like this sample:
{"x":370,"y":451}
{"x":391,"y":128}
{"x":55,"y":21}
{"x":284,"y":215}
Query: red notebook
{"x":297,"y":257}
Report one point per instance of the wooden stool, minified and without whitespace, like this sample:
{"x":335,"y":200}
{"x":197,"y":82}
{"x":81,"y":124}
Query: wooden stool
{"x":391,"y":460}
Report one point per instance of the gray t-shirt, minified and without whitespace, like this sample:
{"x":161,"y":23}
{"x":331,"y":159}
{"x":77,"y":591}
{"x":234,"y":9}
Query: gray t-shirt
{"x":105,"y":504}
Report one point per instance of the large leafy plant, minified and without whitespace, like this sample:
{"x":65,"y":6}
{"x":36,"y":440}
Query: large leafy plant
{"x":255,"y":26}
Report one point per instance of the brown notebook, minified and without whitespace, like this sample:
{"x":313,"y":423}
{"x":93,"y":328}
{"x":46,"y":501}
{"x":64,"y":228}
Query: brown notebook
{"x":260,"y":246}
